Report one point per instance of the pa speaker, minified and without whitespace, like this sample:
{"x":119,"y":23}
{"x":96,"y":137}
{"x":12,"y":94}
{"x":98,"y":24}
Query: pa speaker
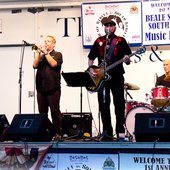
{"x":76,"y":123}
{"x":152,"y":127}
{"x":4,"y":124}
{"x":30,"y":127}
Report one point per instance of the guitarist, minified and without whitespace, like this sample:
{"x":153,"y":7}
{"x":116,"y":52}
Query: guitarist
{"x":110,"y":48}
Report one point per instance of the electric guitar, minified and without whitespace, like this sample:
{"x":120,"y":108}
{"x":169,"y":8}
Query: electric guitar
{"x":102,"y":75}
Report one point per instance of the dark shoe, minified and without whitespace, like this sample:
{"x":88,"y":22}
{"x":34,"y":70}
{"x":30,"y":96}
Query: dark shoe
{"x":106,"y":138}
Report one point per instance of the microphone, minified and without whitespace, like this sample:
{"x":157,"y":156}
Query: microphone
{"x":107,"y":32}
{"x":26,"y":43}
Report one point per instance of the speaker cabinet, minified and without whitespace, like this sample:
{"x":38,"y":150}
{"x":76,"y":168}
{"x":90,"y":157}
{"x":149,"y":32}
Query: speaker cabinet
{"x":4,"y":124}
{"x":151,"y":127}
{"x":76,"y":124}
{"x":30,"y":127}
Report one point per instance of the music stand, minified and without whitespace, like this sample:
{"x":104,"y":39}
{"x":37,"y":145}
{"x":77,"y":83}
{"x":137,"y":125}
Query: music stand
{"x":78,"y":79}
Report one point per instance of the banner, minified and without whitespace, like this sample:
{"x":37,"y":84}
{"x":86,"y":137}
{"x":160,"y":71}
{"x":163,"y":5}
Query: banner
{"x":98,"y":161}
{"x":26,"y":157}
{"x":74,"y":161}
{"x":156,"y":22}
{"x":144,"y":161}
{"x":127,"y":16}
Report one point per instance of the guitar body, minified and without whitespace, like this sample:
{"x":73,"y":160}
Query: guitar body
{"x":99,"y":77}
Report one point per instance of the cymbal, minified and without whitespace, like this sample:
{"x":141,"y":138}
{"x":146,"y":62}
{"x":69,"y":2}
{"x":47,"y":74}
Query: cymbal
{"x":129,"y":86}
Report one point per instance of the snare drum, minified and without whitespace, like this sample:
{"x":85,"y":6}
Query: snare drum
{"x":130,"y":119}
{"x":160,"y":95}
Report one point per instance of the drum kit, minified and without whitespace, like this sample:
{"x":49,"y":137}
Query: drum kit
{"x":159,"y":102}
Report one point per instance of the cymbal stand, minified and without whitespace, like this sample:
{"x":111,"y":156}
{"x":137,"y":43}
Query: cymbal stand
{"x":126,"y":131}
{"x":127,"y":94}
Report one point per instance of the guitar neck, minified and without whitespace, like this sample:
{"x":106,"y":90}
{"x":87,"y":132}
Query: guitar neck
{"x":113,"y":65}
{"x":116,"y":63}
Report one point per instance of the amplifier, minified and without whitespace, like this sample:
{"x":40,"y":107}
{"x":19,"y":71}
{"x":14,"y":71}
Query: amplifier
{"x":77,"y":123}
{"x":4,"y":125}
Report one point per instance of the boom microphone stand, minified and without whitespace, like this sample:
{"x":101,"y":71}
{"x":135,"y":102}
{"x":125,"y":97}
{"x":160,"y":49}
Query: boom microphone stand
{"x":24,"y":44}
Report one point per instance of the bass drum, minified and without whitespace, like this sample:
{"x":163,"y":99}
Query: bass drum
{"x":130,"y":119}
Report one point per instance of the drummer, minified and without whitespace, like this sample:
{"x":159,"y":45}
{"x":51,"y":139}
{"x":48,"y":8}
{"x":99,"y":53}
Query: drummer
{"x":162,"y":101}
{"x":164,"y":80}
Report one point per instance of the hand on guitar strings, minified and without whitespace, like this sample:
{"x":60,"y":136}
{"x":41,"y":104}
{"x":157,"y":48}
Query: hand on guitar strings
{"x":126,"y":59}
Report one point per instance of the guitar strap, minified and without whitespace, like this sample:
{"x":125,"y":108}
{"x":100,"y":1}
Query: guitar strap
{"x":111,"y":48}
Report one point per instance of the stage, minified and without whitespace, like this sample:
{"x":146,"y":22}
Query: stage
{"x":108,"y":156}
{"x":89,"y":155}
{"x":149,"y":149}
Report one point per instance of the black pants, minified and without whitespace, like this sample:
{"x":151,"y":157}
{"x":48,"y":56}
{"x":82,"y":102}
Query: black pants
{"x":116,"y":87}
{"x":52,"y":100}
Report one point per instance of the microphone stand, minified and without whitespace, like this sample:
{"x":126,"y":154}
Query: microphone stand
{"x":20,"y":74}
{"x":104,"y":68}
